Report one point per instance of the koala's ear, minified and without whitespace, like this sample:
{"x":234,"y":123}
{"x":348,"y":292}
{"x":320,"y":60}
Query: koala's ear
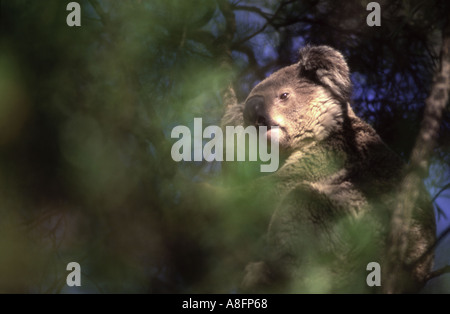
{"x":326,"y":66}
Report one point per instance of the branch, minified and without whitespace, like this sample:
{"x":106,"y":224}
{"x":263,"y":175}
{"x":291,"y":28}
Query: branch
{"x":430,"y":250}
{"x":269,"y":19}
{"x":256,"y":10}
{"x":224,"y":49}
{"x":409,"y":190}
{"x":252,"y":63}
{"x":439,"y":272}
{"x":447,"y":186}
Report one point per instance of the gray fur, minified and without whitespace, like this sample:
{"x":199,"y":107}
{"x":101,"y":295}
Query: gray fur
{"x":334,"y":192}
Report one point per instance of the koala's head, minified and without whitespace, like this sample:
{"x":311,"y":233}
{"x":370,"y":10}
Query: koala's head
{"x":305,"y":100}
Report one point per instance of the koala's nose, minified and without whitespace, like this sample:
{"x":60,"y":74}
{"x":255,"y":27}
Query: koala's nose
{"x":255,"y":111}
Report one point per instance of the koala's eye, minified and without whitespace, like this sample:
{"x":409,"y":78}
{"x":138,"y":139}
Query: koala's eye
{"x":284,"y":96}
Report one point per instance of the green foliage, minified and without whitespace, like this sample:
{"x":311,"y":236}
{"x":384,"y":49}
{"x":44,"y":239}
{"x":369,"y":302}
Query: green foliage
{"x":86,"y":115}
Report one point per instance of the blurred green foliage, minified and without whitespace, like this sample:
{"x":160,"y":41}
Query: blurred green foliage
{"x":85,"y":169}
{"x":85,"y":119}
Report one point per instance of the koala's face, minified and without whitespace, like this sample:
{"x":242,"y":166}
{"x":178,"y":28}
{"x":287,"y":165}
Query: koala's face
{"x":304,"y":100}
{"x":301,"y":109}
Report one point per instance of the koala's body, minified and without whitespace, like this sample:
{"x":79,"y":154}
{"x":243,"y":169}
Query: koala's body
{"x":334,"y":193}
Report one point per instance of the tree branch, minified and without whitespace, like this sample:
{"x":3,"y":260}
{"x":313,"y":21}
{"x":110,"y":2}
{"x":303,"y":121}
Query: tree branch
{"x":438,"y":272}
{"x":447,"y":186}
{"x":224,"y":49}
{"x":409,"y":191}
{"x":269,"y":19}
{"x":430,"y":250}
{"x":256,"y":10}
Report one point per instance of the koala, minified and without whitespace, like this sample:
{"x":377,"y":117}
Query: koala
{"x":334,"y":193}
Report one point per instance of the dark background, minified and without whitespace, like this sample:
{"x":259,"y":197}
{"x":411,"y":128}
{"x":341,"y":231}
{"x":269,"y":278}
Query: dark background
{"x":86,"y":113}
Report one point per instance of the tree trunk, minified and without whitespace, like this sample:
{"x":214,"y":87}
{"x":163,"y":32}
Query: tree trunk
{"x":418,"y":169}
